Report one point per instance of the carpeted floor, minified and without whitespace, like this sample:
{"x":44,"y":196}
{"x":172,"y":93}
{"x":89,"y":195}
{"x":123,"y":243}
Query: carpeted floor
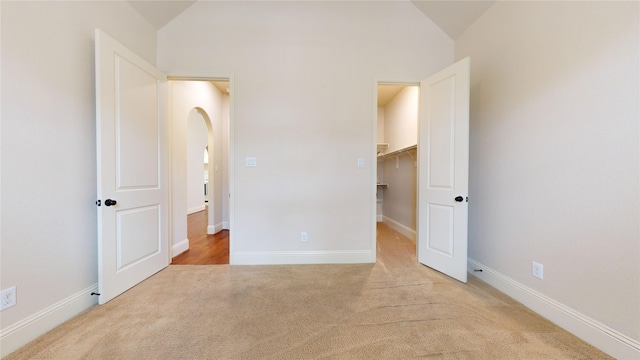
{"x":394,"y":309}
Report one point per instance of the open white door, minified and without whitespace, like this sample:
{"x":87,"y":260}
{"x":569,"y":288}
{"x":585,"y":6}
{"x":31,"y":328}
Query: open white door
{"x":133,"y":189}
{"x":443,"y":177}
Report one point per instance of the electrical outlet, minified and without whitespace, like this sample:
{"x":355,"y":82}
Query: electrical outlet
{"x":8,"y":298}
{"x":250,"y":161}
{"x":537,"y":270}
{"x":303,"y":236}
{"x":360,"y":162}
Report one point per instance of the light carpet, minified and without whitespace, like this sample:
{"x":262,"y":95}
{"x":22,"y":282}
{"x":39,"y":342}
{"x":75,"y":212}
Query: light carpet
{"x":394,"y":309}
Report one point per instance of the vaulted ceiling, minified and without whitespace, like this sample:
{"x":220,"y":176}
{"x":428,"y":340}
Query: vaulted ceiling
{"x":452,"y":16}
{"x":158,"y":12}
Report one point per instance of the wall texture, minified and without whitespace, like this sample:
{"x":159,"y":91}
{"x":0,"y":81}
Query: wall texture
{"x":554,"y":152}
{"x":304,"y":76}
{"x":49,"y":242}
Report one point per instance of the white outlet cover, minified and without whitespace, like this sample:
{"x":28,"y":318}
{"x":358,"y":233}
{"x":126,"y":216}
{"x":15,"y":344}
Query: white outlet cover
{"x":250,"y":161}
{"x":537,"y":270}
{"x":7,"y":298}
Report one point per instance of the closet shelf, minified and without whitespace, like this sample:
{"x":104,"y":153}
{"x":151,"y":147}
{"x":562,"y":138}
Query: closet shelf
{"x":398,"y":152}
{"x":382,"y":147}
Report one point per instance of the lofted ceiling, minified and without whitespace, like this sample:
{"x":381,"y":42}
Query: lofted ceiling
{"x":159,"y":12}
{"x":452,"y":16}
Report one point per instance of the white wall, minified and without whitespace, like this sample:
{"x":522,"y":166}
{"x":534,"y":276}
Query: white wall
{"x":400,"y":197}
{"x":554,"y":152}
{"x":197,"y":141}
{"x":304,"y":77}
{"x":185,"y":97}
{"x":401,"y":119}
{"x":49,"y":243}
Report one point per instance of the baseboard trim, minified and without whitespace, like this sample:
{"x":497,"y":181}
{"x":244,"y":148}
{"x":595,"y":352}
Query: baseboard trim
{"x":195,"y":209}
{"x":379,"y":218}
{"x":225,"y":225}
{"x":179,"y":248}
{"x":215,"y":228}
{"x":21,"y":333}
{"x":402,"y":229}
{"x":302,"y":257}
{"x":592,"y":331}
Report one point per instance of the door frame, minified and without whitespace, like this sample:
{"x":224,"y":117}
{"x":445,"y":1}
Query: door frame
{"x":230,"y":153}
{"x":376,"y":82}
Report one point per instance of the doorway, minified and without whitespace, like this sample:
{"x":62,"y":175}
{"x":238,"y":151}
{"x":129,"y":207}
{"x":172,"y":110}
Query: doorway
{"x":442,"y":165}
{"x":200,"y":114}
{"x":396,"y":183}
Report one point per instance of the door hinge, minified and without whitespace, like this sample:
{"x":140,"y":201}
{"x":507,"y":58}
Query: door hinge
{"x":99,"y":202}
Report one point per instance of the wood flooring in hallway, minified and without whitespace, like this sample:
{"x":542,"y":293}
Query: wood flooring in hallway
{"x":207,"y":249}
{"x":204,"y":249}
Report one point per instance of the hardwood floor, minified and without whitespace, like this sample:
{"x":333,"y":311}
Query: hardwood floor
{"x":207,"y":249}
{"x":204,"y":249}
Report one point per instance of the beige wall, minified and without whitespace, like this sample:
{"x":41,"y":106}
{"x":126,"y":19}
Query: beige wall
{"x":554,"y":152}
{"x":49,"y":244}
{"x":401,"y":119}
{"x":304,"y":76}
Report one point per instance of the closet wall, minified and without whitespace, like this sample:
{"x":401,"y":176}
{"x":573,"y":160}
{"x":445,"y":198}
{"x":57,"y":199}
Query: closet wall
{"x":397,"y":170}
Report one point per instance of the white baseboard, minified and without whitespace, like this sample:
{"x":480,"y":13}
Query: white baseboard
{"x":214,"y":229}
{"x":595,"y":333}
{"x":225,"y":225}
{"x":19,"y":334}
{"x":179,"y":248}
{"x":402,"y":229}
{"x":379,"y":218}
{"x":302,"y":257}
{"x":195,"y":209}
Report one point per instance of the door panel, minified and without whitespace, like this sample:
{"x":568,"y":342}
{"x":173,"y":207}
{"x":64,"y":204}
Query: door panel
{"x":443,"y":156}
{"x":138,"y":235}
{"x":132,"y":162}
{"x":136,"y":126}
{"x":440,"y":229}
{"x":440,"y":130}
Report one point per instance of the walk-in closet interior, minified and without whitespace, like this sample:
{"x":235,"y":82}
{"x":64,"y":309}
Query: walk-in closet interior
{"x":397,"y":137}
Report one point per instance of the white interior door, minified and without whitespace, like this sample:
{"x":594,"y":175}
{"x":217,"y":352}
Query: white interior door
{"x":443,"y":177}
{"x":132,"y":168}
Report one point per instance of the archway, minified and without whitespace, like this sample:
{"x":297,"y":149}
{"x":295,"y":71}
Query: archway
{"x":200,"y":171}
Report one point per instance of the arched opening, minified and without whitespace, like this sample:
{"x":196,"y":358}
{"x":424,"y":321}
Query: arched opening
{"x":201,"y":194}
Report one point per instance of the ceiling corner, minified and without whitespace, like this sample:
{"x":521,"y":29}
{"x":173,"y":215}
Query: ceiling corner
{"x":452,"y":16}
{"x":160,"y":13}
